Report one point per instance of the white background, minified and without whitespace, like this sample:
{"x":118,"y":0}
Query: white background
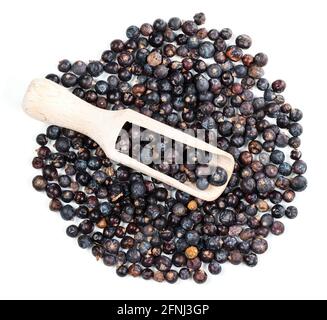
{"x":37,"y":260}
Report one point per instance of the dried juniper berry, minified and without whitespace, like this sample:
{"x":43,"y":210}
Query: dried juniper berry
{"x":243,"y":41}
{"x":278,"y":86}
{"x":295,"y":129}
{"x":55,"y":205}
{"x":219,"y":177}
{"x":278,"y":211}
{"x":214,"y":267}
{"x":39,"y":183}
{"x":53,"y":132}
{"x":184,"y":274}
{"x":265,"y":185}
{"x":53,"y":190}
{"x":206,"y":49}
{"x":192,"y":237}
{"x":53,"y":77}
{"x":251,"y":259}
{"x":259,"y":246}
{"x":171,"y":276}
{"x":299,"y":183}
{"x":277,"y":228}
{"x":299,"y":167}
{"x":295,"y":115}
{"x":86,"y":227}
{"x":41,"y":139}
{"x":68,"y":80}
{"x":67,"y":196}
{"x":266,"y":220}
{"x":163,"y":263}
{"x":122,"y":271}
{"x":64,"y":65}
{"x":72,"y":231}
{"x":67,"y":212}
{"x":200,"y":276}
{"x":84,"y":241}
{"x":291,"y":212}
{"x":147,"y":274}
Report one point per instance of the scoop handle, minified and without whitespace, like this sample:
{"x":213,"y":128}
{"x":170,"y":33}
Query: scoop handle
{"x":46,"y":101}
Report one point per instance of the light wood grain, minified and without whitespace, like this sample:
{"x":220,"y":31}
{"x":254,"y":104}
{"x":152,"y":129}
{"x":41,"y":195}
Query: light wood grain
{"x":48,"y":102}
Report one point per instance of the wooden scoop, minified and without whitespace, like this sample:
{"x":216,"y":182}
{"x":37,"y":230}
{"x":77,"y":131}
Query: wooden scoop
{"x":48,"y":102}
